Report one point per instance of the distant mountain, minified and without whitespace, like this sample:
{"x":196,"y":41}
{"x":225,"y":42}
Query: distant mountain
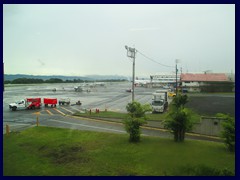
{"x":106,"y":77}
{"x":11,"y":77}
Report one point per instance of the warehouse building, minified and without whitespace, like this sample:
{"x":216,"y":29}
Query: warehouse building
{"x":212,"y":82}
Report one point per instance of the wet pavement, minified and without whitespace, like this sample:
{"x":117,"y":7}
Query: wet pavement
{"x":112,"y":96}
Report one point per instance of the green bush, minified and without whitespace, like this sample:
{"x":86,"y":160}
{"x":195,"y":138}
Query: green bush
{"x":180,"y":118}
{"x":132,"y":126}
{"x":228,"y":133}
{"x":136,"y":117}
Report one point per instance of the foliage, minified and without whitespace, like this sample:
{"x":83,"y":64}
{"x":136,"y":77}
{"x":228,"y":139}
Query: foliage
{"x":54,"y":80}
{"x":132,"y":126}
{"x":27,"y":81}
{"x":228,"y":133}
{"x":136,"y":118}
{"x":180,"y":100}
{"x":180,"y":118}
{"x":137,"y":110}
{"x":217,"y":87}
{"x":7,"y":82}
{"x":203,"y":170}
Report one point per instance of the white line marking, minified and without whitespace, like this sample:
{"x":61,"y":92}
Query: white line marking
{"x":67,"y":110}
{"x":59,"y":111}
{"x":76,"y":109}
{"x":89,"y":126}
{"x":49,"y":112}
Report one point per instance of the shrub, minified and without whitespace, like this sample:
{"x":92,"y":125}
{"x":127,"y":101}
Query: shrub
{"x":228,"y":133}
{"x":136,"y":118}
{"x":180,"y":120}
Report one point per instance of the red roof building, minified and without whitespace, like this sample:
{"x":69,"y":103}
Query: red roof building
{"x":204,"y":77}
{"x":214,"y":82}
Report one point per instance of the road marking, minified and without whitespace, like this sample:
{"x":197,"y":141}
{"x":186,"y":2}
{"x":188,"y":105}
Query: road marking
{"x":37,"y":113}
{"x":76,"y":109}
{"x":49,"y":112}
{"x":59,"y":111}
{"x":89,"y":126}
{"x":67,"y":110}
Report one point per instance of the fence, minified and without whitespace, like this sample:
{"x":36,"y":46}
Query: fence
{"x":208,"y":126}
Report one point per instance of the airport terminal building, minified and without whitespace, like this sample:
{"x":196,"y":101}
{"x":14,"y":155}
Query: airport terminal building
{"x":164,"y":80}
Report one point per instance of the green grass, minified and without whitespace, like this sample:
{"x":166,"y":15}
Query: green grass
{"x":119,"y":115}
{"x":55,"y":151}
{"x":103,"y":114}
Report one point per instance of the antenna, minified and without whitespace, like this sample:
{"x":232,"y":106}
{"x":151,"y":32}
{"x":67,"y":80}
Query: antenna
{"x":207,"y":71}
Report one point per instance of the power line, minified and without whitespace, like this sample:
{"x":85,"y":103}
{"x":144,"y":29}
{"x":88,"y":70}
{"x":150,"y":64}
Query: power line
{"x":153,"y":60}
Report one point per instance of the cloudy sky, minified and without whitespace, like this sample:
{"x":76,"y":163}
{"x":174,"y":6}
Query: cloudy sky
{"x":90,"y":39}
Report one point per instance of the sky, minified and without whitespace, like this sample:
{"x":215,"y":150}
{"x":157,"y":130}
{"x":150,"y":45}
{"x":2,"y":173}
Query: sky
{"x":85,"y":39}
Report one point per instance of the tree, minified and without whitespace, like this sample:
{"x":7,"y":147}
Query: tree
{"x":136,"y":117}
{"x":180,"y":118}
{"x":228,"y":133}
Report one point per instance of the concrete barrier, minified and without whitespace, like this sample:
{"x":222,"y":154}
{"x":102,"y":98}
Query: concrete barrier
{"x":208,"y":126}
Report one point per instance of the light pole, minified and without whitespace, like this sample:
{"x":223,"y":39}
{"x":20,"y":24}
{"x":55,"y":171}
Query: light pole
{"x":176,"y":76}
{"x":131,"y":53}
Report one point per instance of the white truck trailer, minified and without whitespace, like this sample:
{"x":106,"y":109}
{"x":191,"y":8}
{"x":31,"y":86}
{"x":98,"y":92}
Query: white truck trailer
{"x":159,"y":101}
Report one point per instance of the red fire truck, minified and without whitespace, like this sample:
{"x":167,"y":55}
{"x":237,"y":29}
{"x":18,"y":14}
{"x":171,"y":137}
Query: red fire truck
{"x":50,"y":101}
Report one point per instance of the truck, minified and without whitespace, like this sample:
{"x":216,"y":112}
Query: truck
{"x":64,"y":101}
{"x":27,"y":103}
{"x":50,"y":101}
{"x":159,"y":101}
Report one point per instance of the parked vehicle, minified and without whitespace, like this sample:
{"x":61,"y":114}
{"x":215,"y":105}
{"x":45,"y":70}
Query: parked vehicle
{"x":28,"y":103}
{"x":63,"y":101}
{"x":129,"y":90}
{"x":78,"y":103}
{"x":50,"y":101}
{"x":171,"y":94}
{"x":159,"y":101}
{"x":78,"y":89}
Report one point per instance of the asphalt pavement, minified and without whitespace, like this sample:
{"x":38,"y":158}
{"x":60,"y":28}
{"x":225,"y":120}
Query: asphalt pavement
{"x":112,"y":96}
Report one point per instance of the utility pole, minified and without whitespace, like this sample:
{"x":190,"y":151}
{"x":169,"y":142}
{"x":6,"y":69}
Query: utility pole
{"x":176,"y":76}
{"x":131,"y":52}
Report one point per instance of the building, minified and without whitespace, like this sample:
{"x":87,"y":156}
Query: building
{"x":164,"y":80}
{"x":213,"y":82}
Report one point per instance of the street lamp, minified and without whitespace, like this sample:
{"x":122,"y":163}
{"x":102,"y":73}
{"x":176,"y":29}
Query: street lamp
{"x":131,"y":53}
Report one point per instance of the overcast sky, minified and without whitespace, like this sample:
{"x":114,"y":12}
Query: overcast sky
{"x":89,"y":39}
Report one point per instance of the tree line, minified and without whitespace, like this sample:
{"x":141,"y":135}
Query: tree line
{"x":55,"y":80}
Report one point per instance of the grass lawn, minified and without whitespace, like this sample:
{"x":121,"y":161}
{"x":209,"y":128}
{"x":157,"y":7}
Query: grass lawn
{"x":59,"y":152}
{"x":120,"y":115}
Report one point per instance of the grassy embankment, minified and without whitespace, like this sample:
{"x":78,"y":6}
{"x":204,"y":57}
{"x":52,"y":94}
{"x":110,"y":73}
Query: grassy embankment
{"x":119,"y":115}
{"x":55,"y":151}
